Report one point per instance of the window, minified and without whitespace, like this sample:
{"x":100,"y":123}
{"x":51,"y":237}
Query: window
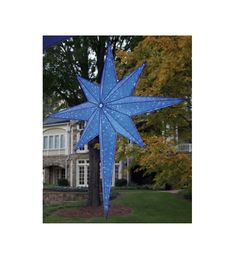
{"x":82,"y":172}
{"x":62,"y":144}
{"x":62,"y":173}
{"x":82,"y":148}
{"x":57,"y":141}
{"x":88,"y":168}
{"x":54,"y":142}
{"x":51,"y":142}
{"x":45,"y":142}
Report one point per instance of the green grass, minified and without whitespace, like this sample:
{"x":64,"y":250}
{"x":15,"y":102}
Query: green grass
{"x":148,"y":207}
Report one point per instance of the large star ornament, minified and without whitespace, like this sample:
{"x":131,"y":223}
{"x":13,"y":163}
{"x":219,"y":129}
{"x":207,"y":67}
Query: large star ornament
{"x":108,"y":111}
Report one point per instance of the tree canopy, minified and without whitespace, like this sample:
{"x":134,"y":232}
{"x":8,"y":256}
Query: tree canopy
{"x":82,"y":55}
{"x":168,"y":73}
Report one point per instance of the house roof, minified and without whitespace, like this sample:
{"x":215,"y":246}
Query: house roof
{"x":52,"y":121}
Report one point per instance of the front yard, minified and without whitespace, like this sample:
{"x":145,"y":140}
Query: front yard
{"x":147,"y":207}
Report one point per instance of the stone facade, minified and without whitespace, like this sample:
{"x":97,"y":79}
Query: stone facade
{"x":55,"y":161}
{"x":50,"y":197}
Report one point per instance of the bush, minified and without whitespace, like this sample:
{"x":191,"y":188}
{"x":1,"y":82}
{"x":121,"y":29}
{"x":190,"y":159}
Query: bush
{"x":172,"y":170}
{"x":120,"y":182}
{"x":141,"y":176}
{"x":168,"y":186}
{"x":63,"y":182}
{"x":146,"y":187}
{"x":175,"y":173}
{"x":129,"y":187}
{"x":187,"y":194}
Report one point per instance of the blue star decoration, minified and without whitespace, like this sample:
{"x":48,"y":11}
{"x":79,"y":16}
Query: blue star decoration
{"x":108,"y":112}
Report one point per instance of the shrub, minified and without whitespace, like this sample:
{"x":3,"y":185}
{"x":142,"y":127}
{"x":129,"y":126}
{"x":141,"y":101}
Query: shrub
{"x":174,"y":173}
{"x":187,"y":194}
{"x":146,"y":187}
{"x":172,"y":170}
{"x":127,"y":187}
{"x":120,"y":182}
{"x":63,"y":182}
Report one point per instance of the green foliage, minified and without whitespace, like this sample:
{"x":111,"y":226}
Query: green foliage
{"x":146,"y":187}
{"x":185,"y":194}
{"x":173,"y":170}
{"x":141,"y":177}
{"x":168,"y":73}
{"x":120,"y":182}
{"x":188,"y":194}
{"x":63,"y":182}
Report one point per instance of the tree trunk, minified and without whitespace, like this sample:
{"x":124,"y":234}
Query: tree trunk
{"x":94,"y":154}
{"x":94,"y":174}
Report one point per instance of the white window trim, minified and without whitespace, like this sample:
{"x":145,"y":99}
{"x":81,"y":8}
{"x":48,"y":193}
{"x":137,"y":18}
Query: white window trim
{"x":85,"y":164}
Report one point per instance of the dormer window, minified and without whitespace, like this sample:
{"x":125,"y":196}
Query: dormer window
{"x":45,"y":142}
{"x":57,"y":141}
{"x":62,"y":142}
{"x":53,"y":142}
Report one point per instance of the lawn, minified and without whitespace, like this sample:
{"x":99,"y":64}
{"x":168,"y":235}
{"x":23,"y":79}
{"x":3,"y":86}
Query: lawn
{"x":147,"y":206}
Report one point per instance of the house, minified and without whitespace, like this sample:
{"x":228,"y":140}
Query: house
{"x":60,"y":160}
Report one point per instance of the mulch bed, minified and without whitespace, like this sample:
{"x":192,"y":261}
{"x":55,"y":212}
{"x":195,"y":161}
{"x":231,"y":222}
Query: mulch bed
{"x":89,"y":212}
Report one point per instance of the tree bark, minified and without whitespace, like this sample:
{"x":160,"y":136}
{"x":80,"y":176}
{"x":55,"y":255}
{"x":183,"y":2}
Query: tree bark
{"x":94,"y":154}
{"x":94,"y":175}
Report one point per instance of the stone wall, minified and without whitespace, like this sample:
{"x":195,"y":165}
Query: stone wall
{"x":59,"y":160}
{"x":50,"y":197}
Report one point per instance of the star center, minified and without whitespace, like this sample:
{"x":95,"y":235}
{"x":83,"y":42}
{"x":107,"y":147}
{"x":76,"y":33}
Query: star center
{"x":101,"y":105}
